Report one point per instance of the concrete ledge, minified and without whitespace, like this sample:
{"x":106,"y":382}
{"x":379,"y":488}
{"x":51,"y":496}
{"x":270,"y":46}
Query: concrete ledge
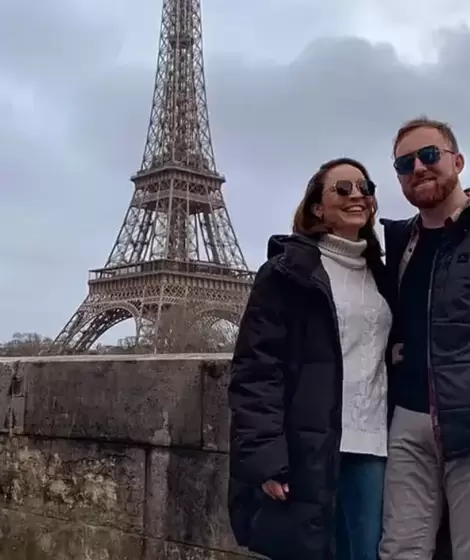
{"x":120,"y":358}
{"x":115,"y":457}
{"x":157,"y":401}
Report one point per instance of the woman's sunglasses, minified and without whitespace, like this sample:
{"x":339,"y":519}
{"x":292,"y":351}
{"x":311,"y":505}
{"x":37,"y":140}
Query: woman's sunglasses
{"x":429,"y":155}
{"x":345,"y":187}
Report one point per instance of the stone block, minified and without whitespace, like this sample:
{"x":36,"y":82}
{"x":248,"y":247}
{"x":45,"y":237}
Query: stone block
{"x":156,"y":506}
{"x":154,"y":549}
{"x":110,"y":544}
{"x":138,"y":400}
{"x":215,"y":415}
{"x":29,"y":537}
{"x":7,"y":372}
{"x":12,"y":397}
{"x":178,"y":551}
{"x":188,"y":499}
{"x":74,"y":481}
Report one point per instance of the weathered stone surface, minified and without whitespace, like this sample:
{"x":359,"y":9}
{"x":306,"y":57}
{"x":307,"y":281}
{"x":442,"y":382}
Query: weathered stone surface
{"x":118,"y":458}
{"x":29,"y":537}
{"x":155,"y":401}
{"x":75,"y":481}
{"x":12,"y":397}
{"x":154,"y":549}
{"x":7,"y":372}
{"x":101,"y":543}
{"x":176,"y":551}
{"x":157,"y":516}
{"x":215,"y":421}
{"x":195,"y":494}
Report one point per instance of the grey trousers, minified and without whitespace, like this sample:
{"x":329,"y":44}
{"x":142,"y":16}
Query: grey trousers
{"x":416,"y":482}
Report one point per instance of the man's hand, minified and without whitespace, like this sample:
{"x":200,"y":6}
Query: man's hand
{"x":275,"y":490}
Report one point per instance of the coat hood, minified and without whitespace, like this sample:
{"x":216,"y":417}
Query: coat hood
{"x":280,"y":244}
{"x":296,"y":256}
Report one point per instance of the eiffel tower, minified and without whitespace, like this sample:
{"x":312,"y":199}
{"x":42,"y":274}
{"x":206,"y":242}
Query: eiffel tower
{"x":177,"y":247}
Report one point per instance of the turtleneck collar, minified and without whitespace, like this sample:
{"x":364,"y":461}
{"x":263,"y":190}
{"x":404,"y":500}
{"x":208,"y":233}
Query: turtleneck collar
{"x":346,"y":252}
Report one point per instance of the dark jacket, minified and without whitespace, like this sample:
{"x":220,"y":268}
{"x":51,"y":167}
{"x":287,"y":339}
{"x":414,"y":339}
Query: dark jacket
{"x":286,"y":402}
{"x":449,"y":366}
{"x":449,"y":325}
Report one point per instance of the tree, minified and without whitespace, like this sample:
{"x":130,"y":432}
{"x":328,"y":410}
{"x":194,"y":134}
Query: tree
{"x":25,"y":344}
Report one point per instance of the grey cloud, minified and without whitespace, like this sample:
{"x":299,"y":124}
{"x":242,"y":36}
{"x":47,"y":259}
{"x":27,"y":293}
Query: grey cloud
{"x":64,"y":178}
{"x":339,"y":97}
{"x":274,"y":29}
{"x":49,"y":45}
{"x":422,"y":13}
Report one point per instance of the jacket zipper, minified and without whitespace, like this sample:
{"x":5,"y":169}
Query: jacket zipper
{"x":432,"y":388}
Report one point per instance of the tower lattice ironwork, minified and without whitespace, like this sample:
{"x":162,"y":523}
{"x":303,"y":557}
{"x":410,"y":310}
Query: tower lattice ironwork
{"x":177,"y":246}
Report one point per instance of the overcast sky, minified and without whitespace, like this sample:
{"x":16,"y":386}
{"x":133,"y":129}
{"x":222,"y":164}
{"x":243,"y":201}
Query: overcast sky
{"x":290,"y":83}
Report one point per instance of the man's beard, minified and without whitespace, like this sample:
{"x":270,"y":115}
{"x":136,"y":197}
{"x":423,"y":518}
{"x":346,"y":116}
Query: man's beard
{"x":432,"y":196}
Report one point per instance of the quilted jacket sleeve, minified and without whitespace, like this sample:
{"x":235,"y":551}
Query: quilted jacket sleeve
{"x":256,"y":391}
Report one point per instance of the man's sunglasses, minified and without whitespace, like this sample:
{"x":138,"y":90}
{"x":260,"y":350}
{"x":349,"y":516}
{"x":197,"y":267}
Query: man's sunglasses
{"x":345,"y":187}
{"x":429,"y":155}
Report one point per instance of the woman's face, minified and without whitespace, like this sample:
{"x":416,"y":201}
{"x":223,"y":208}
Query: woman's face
{"x":344,"y":208}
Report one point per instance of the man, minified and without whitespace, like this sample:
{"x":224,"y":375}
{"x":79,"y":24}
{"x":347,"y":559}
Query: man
{"x":429,"y":257}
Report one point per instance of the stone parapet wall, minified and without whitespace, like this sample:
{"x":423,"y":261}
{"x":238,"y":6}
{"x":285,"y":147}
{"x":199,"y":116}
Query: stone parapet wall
{"x":114,"y":458}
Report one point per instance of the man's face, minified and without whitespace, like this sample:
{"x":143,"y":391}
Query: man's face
{"x":426,"y":167}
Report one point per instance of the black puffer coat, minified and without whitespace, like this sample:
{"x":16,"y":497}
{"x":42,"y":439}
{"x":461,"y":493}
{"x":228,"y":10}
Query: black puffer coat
{"x":286,"y":401}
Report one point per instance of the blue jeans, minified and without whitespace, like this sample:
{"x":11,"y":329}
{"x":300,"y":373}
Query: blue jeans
{"x":359,"y":507}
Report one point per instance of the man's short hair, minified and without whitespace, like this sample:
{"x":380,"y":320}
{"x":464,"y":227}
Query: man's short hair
{"x":420,"y":122}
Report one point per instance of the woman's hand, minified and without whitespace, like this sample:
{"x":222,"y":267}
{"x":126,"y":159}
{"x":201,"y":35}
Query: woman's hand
{"x":275,"y":490}
{"x":397,"y":353}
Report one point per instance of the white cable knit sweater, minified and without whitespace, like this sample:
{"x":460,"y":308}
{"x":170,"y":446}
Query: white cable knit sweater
{"x":364,"y":322}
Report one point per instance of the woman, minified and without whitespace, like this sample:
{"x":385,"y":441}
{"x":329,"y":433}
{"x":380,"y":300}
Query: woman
{"x":309,"y":386}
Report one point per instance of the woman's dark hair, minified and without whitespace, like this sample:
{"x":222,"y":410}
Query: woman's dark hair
{"x":306,"y":223}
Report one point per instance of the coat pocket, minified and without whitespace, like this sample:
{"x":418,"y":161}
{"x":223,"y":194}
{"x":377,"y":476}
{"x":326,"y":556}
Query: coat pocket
{"x":244,"y":503}
{"x":282,"y":530}
{"x":270,"y":533}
